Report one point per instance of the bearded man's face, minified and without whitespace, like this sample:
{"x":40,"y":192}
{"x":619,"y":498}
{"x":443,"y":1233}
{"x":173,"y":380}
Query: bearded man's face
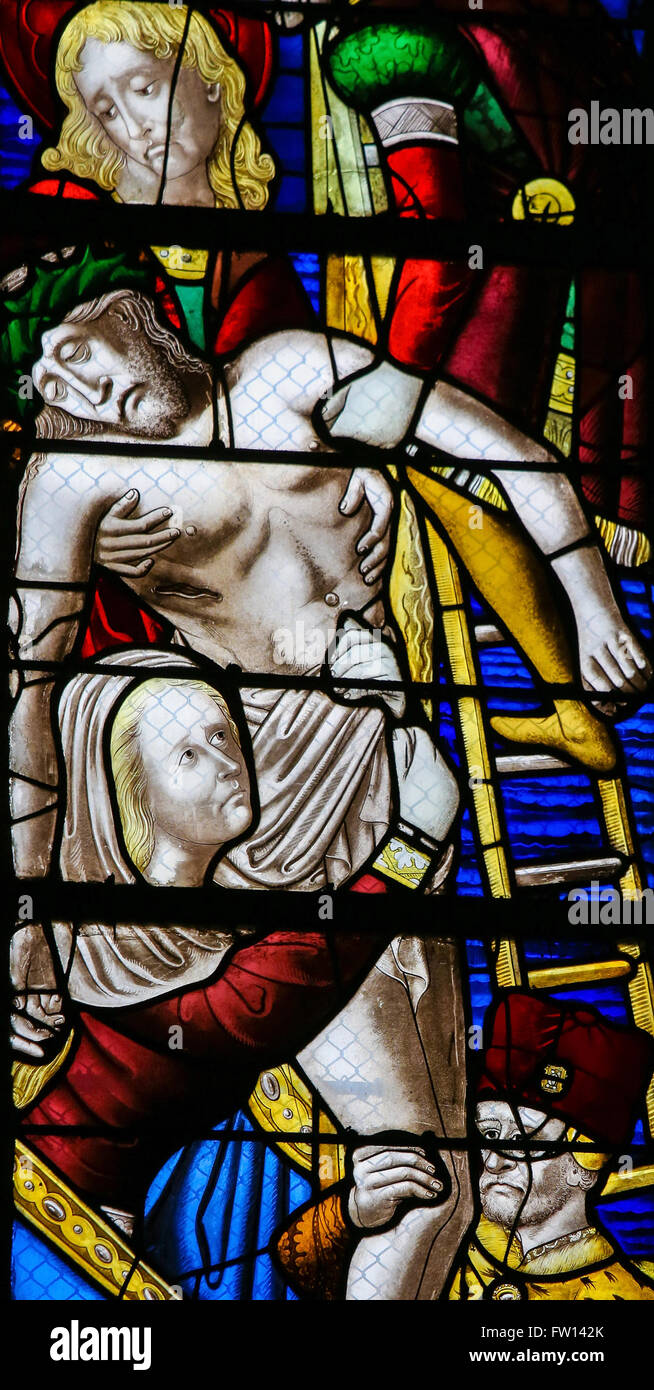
{"x":520,"y":1186}
{"x":107,"y":371}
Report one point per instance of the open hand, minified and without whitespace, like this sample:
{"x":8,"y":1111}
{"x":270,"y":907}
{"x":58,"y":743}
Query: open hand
{"x":128,"y":544}
{"x":368,"y":485}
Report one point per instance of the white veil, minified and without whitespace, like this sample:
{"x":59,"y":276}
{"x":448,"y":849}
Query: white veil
{"x":121,"y":964}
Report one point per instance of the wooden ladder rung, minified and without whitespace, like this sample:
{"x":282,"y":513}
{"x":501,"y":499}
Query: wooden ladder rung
{"x":617,"y":1183}
{"x":576,"y":871}
{"x":486,"y":635}
{"x":579,"y":972}
{"x":528,"y":764}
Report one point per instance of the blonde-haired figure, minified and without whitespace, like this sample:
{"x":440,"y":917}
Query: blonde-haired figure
{"x":144,"y":126}
{"x":181,"y":782}
{"x":173,"y":1021}
{"x":156,"y":785}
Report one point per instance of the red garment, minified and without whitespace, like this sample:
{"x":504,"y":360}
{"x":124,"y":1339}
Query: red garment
{"x":507,"y":349}
{"x":116,"y":619}
{"x":132,"y":1071}
{"x":501,"y":345}
{"x":268,"y":299}
{"x":63,"y":188}
{"x":426,"y":181}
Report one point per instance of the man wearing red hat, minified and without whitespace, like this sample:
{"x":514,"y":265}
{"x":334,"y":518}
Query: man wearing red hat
{"x":560,"y":1074}
{"x":557,"y":1099}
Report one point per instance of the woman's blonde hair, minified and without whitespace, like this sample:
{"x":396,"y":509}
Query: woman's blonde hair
{"x":128,"y":769}
{"x":84,"y":147}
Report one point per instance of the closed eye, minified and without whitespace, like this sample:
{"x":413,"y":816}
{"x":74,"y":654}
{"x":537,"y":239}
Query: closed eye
{"x":74,"y":352}
{"x":145,"y":91}
{"x":107,"y":113}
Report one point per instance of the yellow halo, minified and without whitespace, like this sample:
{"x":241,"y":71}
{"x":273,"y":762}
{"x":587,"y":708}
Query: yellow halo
{"x":544,"y":200}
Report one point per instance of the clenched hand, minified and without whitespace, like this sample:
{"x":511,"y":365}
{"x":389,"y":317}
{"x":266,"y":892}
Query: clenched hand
{"x":37,"y":1018}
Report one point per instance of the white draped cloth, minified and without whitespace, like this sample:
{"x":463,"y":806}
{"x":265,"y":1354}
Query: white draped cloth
{"x":324,"y":787}
{"x":323,"y":783}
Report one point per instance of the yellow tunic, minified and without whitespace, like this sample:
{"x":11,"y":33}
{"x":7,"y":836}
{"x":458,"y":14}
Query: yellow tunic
{"x":582,"y":1266}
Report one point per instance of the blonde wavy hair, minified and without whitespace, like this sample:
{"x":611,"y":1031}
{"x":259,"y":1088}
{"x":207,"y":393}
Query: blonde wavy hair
{"x":128,"y":769}
{"x":85,"y":149}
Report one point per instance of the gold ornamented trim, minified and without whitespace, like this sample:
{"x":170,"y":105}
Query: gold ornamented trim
{"x":562,"y":393}
{"x":28,"y":1080}
{"x":402,"y":862}
{"x":503,"y":1293}
{"x":181,"y":262}
{"x":281,"y":1102}
{"x":65,"y":1221}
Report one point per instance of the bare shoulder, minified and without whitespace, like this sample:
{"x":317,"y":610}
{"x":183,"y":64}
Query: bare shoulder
{"x":298,"y":365}
{"x":62,"y":498}
{"x":82,"y":472}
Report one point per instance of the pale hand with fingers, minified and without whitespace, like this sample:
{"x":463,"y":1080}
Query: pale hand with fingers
{"x":37,"y":1019}
{"x":360,"y":653}
{"x":129,"y":544}
{"x":367,"y":485}
{"x":383,"y":1178}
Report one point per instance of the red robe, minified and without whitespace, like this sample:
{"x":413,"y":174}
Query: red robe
{"x":131,"y":1071}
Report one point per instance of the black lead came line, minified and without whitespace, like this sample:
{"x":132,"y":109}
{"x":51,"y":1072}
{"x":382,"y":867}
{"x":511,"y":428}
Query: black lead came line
{"x":585,"y":244}
{"x":283,"y":910}
{"x":169,"y":124}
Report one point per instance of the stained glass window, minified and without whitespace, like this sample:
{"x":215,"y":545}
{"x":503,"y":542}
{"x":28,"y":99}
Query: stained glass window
{"x":325,"y":336}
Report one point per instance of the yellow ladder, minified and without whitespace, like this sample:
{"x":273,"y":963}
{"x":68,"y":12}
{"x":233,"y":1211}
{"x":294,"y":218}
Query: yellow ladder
{"x":631,"y":960}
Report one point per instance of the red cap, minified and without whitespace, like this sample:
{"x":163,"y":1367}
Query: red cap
{"x":567,"y":1060}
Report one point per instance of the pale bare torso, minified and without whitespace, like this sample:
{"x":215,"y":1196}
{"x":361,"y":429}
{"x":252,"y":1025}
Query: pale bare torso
{"x":263,"y":550}
{"x":265,"y":562}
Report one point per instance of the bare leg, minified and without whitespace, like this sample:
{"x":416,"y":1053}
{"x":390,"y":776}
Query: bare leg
{"x":395,"y":1059}
{"x":516,"y":583}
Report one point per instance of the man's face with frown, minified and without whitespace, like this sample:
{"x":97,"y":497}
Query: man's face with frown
{"x":129,"y":94}
{"x":520,"y":1186}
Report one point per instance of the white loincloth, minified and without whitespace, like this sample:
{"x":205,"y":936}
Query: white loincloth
{"x":324,"y":790}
